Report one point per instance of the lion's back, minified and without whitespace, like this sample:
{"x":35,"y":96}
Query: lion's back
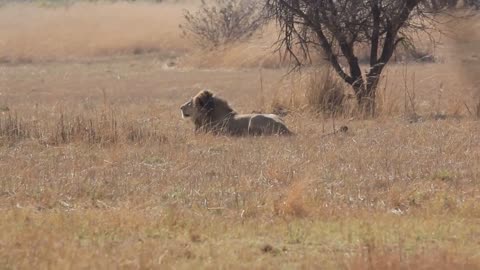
{"x":263,"y":124}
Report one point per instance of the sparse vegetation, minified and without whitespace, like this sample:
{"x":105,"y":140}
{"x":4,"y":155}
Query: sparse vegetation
{"x":98,"y":170}
{"x":325,"y":93}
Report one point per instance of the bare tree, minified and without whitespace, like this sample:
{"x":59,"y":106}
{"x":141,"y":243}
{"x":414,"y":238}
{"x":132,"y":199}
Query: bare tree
{"x":337,"y":28}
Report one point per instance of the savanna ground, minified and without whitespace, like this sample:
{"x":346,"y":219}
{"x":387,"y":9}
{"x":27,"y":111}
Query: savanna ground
{"x":98,"y":170}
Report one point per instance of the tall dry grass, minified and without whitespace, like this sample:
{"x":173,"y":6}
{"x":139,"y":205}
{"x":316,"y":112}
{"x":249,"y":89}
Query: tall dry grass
{"x":317,"y":91}
{"x":103,"y":128}
{"x":97,"y":169}
{"x":386,"y":194}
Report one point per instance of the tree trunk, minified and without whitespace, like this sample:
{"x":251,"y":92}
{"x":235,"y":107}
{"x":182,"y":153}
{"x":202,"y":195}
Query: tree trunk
{"x":452,"y":3}
{"x":366,"y":91}
{"x":365,"y":95}
{"x":368,"y":100}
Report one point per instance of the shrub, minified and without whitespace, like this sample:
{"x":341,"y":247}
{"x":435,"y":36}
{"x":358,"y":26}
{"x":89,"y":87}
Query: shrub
{"x":325,"y":93}
{"x":223,"y":21}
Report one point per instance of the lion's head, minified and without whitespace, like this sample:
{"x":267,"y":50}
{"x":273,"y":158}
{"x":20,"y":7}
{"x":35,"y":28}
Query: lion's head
{"x":205,"y":109}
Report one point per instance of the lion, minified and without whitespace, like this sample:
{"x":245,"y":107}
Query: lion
{"x":210,"y":113}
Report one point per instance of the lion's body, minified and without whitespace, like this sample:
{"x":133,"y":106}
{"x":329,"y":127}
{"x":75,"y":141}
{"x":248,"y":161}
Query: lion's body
{"x":212,"y":114}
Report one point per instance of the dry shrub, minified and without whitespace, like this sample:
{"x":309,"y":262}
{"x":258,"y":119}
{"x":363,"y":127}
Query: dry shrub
{"x":223,"y":21}
{"x":316,"y":91}
{"x":325,"y":93}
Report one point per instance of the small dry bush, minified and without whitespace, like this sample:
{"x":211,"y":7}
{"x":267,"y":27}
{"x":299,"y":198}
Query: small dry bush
{"x":223,"y":21}
{"x":325,"y":93}
{"x":317,"y":91}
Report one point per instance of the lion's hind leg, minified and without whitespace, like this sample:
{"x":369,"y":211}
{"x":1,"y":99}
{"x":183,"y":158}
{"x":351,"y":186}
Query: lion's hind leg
{"x":261,"y":124}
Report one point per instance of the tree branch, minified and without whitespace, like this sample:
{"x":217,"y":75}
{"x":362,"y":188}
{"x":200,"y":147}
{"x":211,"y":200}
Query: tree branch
{"x":332,"y":58}
{"x":375,"y":33}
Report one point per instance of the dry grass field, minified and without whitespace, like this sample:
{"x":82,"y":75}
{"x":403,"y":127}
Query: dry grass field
{"x":99,"y":171}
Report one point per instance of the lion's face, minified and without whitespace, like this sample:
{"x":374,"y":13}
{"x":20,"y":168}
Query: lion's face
{"x":188,"y":109}
{"x":198,"y":106}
